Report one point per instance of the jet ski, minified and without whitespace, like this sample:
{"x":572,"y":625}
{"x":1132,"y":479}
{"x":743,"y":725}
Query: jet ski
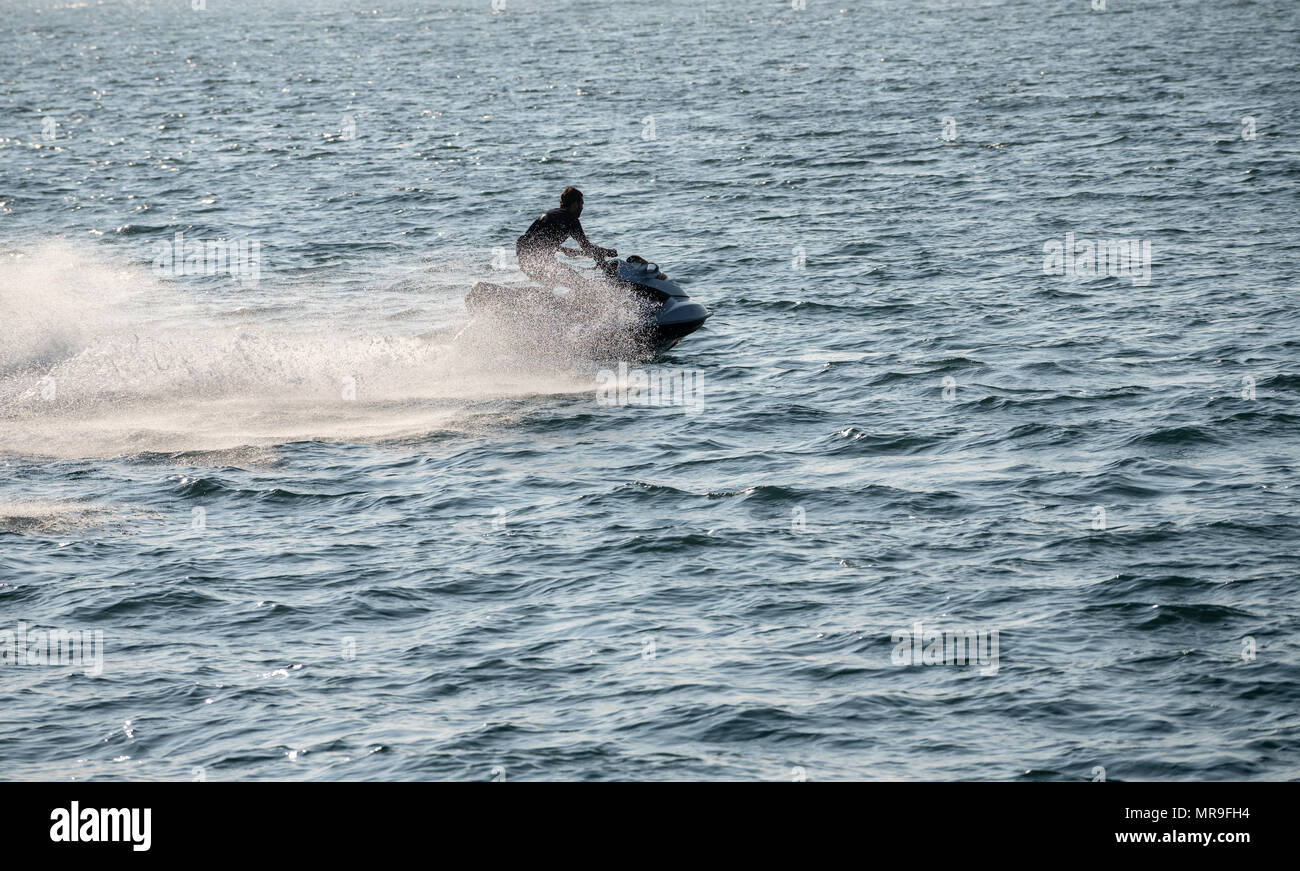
{"x":630,"y":306}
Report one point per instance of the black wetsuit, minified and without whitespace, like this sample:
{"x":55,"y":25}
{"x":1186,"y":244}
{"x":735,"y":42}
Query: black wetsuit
{"x":545,"y":235}
{"x":536,"y":248}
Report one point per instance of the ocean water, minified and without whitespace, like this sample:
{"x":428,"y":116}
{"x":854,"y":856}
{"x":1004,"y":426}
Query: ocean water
{"x":326,"y":528}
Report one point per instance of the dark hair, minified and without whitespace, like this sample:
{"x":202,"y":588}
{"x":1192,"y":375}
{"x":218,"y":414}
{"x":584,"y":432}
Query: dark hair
{"x":570,"y":195}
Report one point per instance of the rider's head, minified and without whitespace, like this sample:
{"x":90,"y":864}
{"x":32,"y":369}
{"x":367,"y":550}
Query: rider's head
{"x":571,"y":199}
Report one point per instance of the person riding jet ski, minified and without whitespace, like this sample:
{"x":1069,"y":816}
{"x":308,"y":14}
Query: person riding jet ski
{"x":625,"y":304}
{"x":536,"y":248}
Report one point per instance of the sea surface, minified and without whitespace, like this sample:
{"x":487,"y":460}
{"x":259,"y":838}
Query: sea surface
{"x":327,"y":528}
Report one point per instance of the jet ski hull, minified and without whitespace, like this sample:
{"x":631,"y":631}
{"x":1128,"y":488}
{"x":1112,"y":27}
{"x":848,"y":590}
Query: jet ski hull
{"x":676,"y":319}
{"x":659,"y":323}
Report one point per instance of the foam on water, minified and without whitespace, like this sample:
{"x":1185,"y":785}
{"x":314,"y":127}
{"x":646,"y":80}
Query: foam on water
{"x":100,"y":358}
{"x":45,"y":517}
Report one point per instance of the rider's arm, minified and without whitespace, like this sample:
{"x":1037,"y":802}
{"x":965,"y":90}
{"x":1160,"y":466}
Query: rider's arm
{"x":575,"y":230}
